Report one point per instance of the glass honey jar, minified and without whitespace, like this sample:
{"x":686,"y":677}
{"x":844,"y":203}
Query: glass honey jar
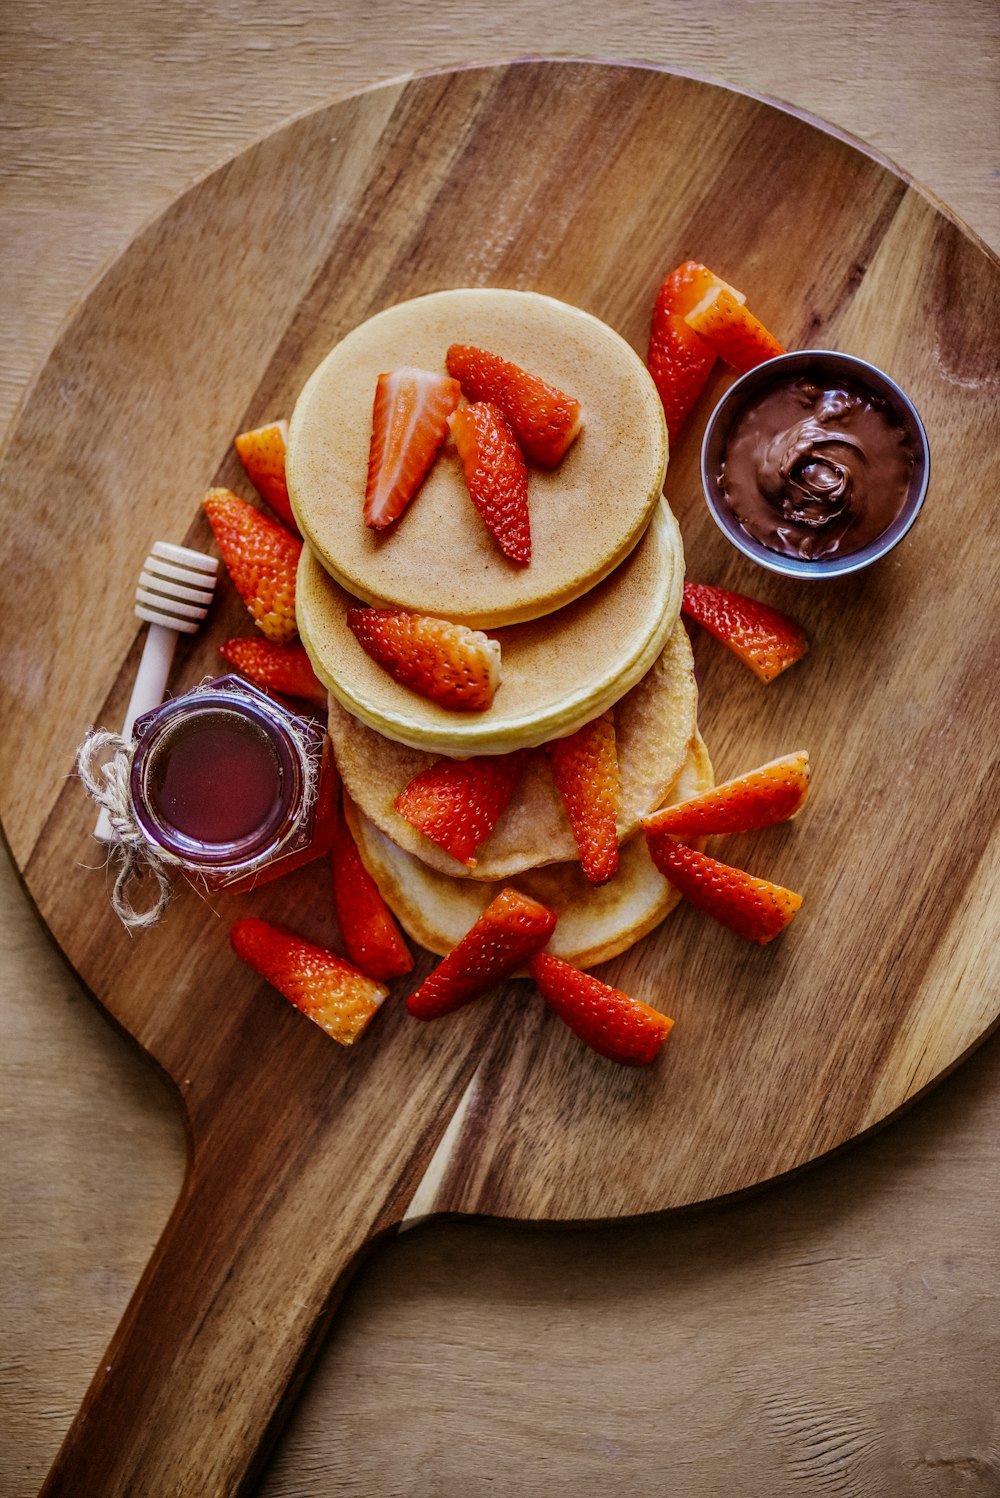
{"x":224,"y":780}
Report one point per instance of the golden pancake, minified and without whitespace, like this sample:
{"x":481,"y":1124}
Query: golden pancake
{"x":556,"y":673}
{"x":596,"y":922}
{"x":654,"y":723}
{"x":586,"y":514}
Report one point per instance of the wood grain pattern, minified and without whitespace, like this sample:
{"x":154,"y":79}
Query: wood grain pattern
{"x":510,"y":1160}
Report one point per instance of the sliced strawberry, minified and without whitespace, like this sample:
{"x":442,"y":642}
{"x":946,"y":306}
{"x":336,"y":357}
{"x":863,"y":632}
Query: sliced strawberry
{"x":262,"y":557}
{"x":679,"y":360}
{"x":458,"y":802}
{"x":733,"y":333}
{"x":751,"y":907}
{"x":327,"y":989}
{"x":511,"y":929}
{"x":764,"y":639}
{"x":324,"y":825}
{"x":609,"y":1021}
{"x":456,"y":667}
{"x":277,"y":668}
{"x":761,"y":798}
{"x":585,"y":770}
{"x":262,"y":453}
{"x":373,"y":940}
{"x":544,"y":420}
{"x":495,"y":475}
{"x":409,"y":424}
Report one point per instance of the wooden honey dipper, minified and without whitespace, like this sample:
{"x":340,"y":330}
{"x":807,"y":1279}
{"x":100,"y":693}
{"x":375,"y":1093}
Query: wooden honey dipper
{"x":174,"y":591}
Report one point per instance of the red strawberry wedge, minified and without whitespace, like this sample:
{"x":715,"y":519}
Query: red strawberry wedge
{"x":409,"y":424}
{"x":511,"y":929}
{"x":262,"y":453}
{"x":585,"y":770}
{"x":605,"y":1019}
{"x":277,"y":668}
{"x":731,"y":331}
{"x":261,"y":557}
{"x":495,"y":475}
{"x":373,"y":940}
{"x":328,"y":990}
{"x":545,"y":421}
{"x":458,"y":802}
{"x":456,"y":667}
{"x":763,"y":797}
{"x":764,"y":639}
{"x":751,"y":907}
{"x":679,"y":359}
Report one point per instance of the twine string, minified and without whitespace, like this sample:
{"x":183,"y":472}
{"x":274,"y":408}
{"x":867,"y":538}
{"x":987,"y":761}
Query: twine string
{"x":106,"y":781}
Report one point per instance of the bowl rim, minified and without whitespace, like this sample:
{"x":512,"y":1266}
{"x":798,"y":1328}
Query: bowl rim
{"x":739,"y":394}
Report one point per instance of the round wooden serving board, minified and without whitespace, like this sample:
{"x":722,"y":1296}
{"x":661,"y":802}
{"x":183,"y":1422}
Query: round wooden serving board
{"x":588,"y":182}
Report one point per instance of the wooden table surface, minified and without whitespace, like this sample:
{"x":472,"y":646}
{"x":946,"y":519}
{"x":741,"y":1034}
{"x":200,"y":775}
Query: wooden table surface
{"x":837,"y":1333}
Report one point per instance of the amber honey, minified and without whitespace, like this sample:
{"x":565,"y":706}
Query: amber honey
{"x":223,"y":779}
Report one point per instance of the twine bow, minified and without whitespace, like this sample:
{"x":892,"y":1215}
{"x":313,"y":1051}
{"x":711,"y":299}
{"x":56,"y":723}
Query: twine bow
{"x":107,"y":783}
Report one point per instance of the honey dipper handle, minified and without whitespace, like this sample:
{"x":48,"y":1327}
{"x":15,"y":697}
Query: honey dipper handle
{"x":147,"y":692}
{"x":151,"y":677}
{"x":219,"y":1333}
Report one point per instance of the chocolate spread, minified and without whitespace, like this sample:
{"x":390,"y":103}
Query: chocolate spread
{"x":816,"y":468}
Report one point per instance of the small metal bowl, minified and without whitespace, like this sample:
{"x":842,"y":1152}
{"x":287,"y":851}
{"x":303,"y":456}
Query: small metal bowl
{"x":830,"y":365}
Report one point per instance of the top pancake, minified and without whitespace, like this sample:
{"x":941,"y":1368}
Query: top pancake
{"x":586,"y":515}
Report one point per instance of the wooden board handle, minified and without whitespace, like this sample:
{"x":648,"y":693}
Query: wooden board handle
{"x":215,"y":1342}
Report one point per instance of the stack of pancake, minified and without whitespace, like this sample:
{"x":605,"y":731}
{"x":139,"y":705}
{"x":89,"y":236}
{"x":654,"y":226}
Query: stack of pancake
{"x":592,"y":622}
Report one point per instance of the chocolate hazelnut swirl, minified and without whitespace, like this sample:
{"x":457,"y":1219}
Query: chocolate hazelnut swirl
{"x":812,"y":471}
